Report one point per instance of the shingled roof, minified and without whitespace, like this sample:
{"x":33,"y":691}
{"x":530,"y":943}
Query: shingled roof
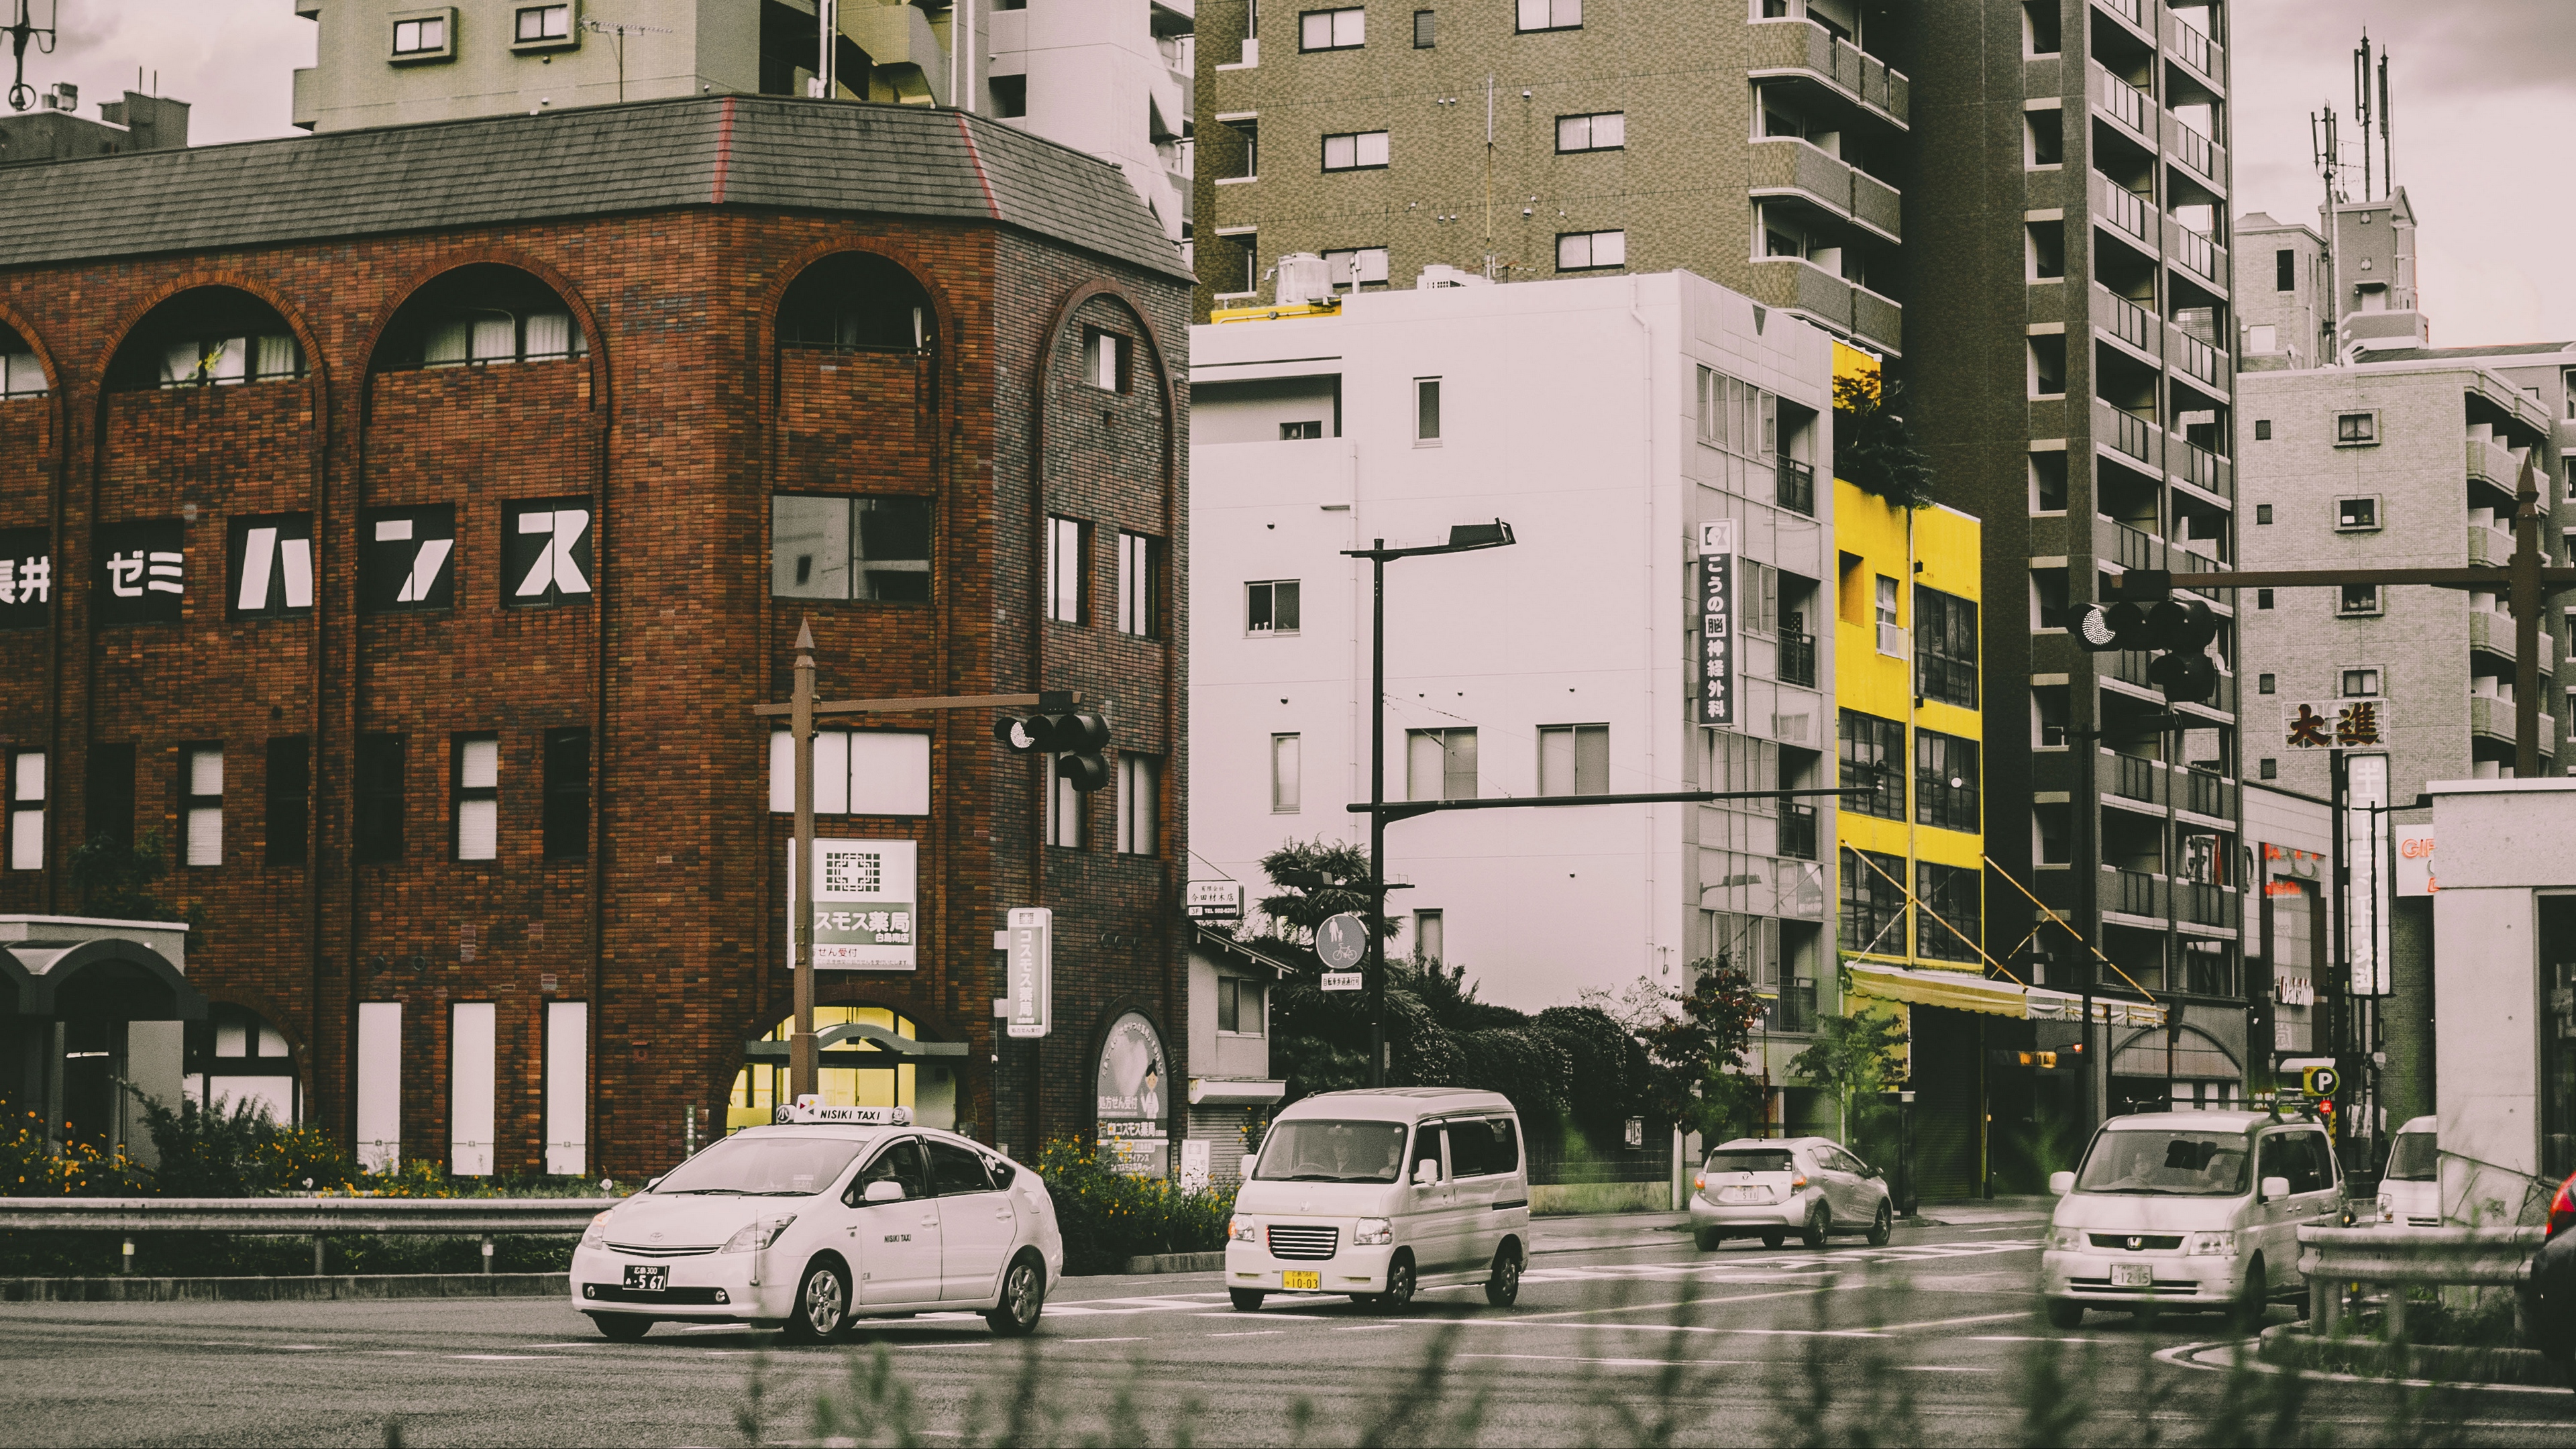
{"x":747,"y":151}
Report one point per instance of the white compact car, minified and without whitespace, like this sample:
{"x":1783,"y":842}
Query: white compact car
{"x":1768,"y":1188}
{"x":833,"y":1214}
{"x":2188,"y":1210}
{"x":1376,"y":1194}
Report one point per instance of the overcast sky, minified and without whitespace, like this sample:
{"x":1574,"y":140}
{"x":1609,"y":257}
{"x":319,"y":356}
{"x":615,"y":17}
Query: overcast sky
{"x":2483,"y":94}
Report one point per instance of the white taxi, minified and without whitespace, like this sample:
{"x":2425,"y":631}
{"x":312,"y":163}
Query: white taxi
{"x":830,"y":1215}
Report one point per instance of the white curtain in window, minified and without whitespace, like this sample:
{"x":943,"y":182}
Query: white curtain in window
{"x":478,"y":821}
{"x":1139,"y":805}
{"x":205,"y":810}
{"x":379,"y":1084}
{"x":549,"y":334}
{"x":277,"y":356}
{"x":496,"y":339}
{"x":447,"y":345}
{"x":567,"y":1087}
{"x":1285,"y":766}
{"x":473,"y":1038}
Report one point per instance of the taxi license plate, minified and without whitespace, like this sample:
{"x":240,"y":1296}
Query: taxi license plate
{"x":1301,"y":1280}
{"x":641,"y":1279}
{"x":2133,"y":1275}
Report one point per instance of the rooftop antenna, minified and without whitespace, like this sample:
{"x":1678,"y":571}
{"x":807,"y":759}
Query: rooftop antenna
{"x":2322,"y":141}
{"x":1489,"y":177}
{"x":22,"y":28}
{"x":621,"y":30}
{"x":2361,"y":104}
{"x":2387,"y":147}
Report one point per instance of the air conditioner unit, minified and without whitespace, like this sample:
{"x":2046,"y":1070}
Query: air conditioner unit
{"x":1891,"y":640}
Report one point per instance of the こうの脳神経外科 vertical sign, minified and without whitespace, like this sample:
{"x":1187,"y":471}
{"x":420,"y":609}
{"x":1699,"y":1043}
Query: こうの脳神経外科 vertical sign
{"x":1717,"y":622}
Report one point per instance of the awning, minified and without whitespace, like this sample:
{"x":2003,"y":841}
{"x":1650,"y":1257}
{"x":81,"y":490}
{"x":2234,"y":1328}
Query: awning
{"x":1234,"y":1092}
{"x":1964,"y":991}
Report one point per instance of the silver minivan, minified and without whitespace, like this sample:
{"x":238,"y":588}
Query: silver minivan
{"x":2187,"y":1210}
{"x":1376,"y":1194}
{"x":2410,"y":1191}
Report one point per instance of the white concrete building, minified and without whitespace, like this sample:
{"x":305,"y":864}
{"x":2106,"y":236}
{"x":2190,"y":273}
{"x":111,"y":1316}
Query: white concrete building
{"x":1605,"y":420}
{"x":1108,"y":77}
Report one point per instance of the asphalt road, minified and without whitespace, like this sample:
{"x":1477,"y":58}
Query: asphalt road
{"x":1933,"y":1339}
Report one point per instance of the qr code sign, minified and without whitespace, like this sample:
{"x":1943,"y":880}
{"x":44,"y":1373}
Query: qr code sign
{"x":853,"y":872}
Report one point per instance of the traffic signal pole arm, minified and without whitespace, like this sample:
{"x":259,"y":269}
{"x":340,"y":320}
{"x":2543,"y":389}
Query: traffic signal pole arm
{"x":1052,"y":699}
{"x":1394,"y":810}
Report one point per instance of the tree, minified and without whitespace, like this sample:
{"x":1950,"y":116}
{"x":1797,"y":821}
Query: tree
{"x":116,"y":881}
{"x":1851,"y":1056}
{"x":1874,"y":450}
{"x":1312,"y":880}
{"x":1709,"y":1029}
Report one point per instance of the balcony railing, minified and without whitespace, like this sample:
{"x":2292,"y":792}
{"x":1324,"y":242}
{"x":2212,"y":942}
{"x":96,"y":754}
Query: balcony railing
{"x":2491,"y":546}
{"x":1797,"y":831}
{"x":1797,"y":493}
{"x":2128,"y":10}
{"x":1877,"y":320}
{"x":2133,"y":778}
{"x":2132,"y":892}
{"x":2208,"y":794}
{"x":2198,"y":152}
{"x":1798,"y":662}
{"x":2124,"y":319}
{"x":2194,"y":49}
{"x":2196,"y":253}
{"x":2497,"y":719}
{"x":2202,"y":468}
{"x":2208,"y":905}
{"x":2124,"y":103}
{"x":2121,"y":208}
{"x":2495,"y":634}
{"x":2198,"y":358}
{"x":1788,"y":164}
{"x":2135,"y":548}
{"x":2489,"y":463}
{"x":1805,"y":45}
{"x":2125,"y":432}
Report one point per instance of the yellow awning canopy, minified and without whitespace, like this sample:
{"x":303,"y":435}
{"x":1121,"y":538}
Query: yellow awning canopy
{"x":1967,"y":991}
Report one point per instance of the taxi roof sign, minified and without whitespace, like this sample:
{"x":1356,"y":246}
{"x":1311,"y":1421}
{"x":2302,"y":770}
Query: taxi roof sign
{"x":810,"y":1108}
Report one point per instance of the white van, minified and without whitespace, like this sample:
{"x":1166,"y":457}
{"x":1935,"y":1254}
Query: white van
{"x":1376,"y":1194}
{"x":2410,"y":1191}
{"x":2187,"y":1210}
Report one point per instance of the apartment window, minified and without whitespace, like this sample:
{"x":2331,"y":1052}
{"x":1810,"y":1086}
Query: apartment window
{"x":2264,"y":684}
{"x":1585,"y":250}
{"x":1064,"y":822}
{"x":1574,"y":760}
{"x":1140,"y":585}
{"x":1886,"y":607}
{"x":567,"y":787}
{"x":490,"y":338}
{"x":230,"y":361}
{"x":2041,"y":28}
{"x":856,"y":772}
{"x":1105,"y":359}
{"x":1270,"y":607}
{"x":1430,"y":937}
{"x":2263,"y":432}
{"x":1532,"y":15}
{"x":1945,"y":647}
{"x":1422,"y":30}
{"x":849,"y":548}
{"x":201,"y":806}
{"x":1311,"y":430}
{"x":474,"y":797}
{"x":1010,"y":94}
{"x":1248,"y":132}
{"x":2262,"y":514}
{"x":379,"y":798}
{"x":2361,"y":684}
{"x":1600,"y":131}
{"x":1140,"y":804}
{"x":1426,"y":410}
{"x":1872,"y":754}
{"x":1066,"y":549}
{"x":1362,"y":266}
{"x":2046,"y":250}
{"x":422,"y":37}
{"x":2285,"y":270}
{"x":2353,"y":430}
{"x":2048,"y":365}
{"x":1945,"y":782}
{"x":1736,"y":416}
{"x":2269,"y":770}
{"x":1948,"y":893}
{"x":1873,"y":912}
{"x":288,"y":788}
{"x":2045,"y":135}
{"x":1355,"y":151}
{"x":543,"y":24}
{"x":1238,"y":1006}
{"x":108,"y":792}
{"x":1286,"y":767}
{"x":27,"y":810}
{"x":1332,"y":29}
{"x":2358,"y":599}
{"x":2356,"y":514}
{"x":2262,"y":598}
{"x":1440,"y":764}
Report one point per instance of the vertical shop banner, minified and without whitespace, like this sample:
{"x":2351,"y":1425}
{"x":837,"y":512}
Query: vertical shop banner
{"x":1717,"y":622}
{"x":865,"y":902}
{"x":1030,"y":945}
{"x":1131,"y":1088}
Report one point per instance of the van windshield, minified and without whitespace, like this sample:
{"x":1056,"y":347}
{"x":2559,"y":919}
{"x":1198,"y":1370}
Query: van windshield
{"x":2414,"y":1158}
{"x":764,"y":1166}
{"x":1319,"y":1151}
{"x":2171,"y":1164}
{"x":1759,"y":1160}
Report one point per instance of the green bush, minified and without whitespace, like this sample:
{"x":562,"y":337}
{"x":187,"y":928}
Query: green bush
{"x":1109,"y":1217}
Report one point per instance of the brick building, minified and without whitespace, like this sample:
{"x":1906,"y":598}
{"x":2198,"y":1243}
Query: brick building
{"x":404,"y":523}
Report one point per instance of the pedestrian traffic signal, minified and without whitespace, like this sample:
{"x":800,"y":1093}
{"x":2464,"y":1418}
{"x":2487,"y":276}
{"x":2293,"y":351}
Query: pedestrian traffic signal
{"x":1074,"y":739}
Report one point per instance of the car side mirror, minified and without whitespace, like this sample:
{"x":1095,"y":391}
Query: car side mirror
{"x":2061,"y":1183}
{"x":2275,"y":1187}
{"x":1425,"y":1173}
{"x":883,"y":1191}
{"x":1249,"y":1159}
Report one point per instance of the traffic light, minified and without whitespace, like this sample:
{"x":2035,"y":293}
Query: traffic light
{"x":2146,"y":617}
{"x":1075,"y":739}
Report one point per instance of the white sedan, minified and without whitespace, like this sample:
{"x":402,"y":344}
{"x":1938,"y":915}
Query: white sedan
{"x":834,"y":1214}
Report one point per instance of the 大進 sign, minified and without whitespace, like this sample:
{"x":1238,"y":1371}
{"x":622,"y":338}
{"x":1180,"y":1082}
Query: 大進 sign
{"x":866,"y":905}
{"x":1717,"y":622}
{"x":2335,"y":724}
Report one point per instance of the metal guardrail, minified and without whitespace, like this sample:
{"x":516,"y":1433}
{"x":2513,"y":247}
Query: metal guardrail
{"x":305,"y":1216}
{"x":2404,"y":1257}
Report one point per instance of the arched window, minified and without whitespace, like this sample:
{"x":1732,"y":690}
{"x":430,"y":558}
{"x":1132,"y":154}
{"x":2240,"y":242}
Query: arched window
{"x":854,"y":1073}
{"x":236,"y":1059}
{"x":481,"y":316}
{"x":207,"y":337}
{"x":856,"y":301}
{"x":20,"y":374}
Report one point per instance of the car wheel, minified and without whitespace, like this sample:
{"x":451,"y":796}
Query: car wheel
{"x":622,"y":1327}
{"x":1023,"y":1299}
{"x":1503,"y":1285}
{"x":1774,"y":1240}
{"x":2065,"y":1313}
{"x":1813,"y":1234}
{"x":1884,"y":1226}
{"x":2256,"y":1301}
{"x":822,"y":1303}
{"x":1399,"y":1285}
{"x":1708,"y":1240}
{"x":1246,"y":1300}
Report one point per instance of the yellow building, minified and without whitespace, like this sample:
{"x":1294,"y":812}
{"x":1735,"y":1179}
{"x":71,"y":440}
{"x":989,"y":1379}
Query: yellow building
{"x":1909,"y":876}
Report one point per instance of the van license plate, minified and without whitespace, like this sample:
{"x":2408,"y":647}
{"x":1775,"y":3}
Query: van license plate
{"x":1301,"y":1280}
{"x":640,"y":1279}
{"x":2133,"y":1275}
